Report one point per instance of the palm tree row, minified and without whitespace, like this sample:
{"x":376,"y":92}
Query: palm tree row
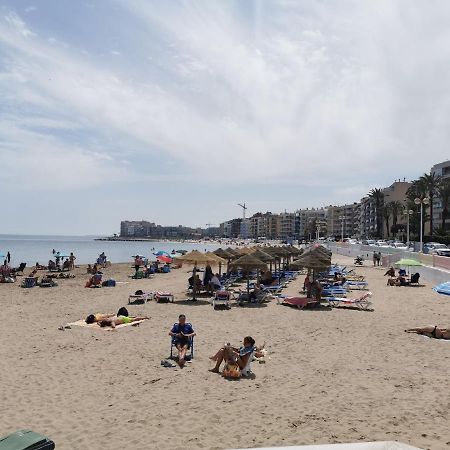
{"x":432,"y":186}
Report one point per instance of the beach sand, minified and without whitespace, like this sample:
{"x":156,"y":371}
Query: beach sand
{"x":333,"y":375}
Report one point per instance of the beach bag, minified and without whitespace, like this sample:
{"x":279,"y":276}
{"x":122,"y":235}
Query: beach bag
{"x":231,"y":370}
{"x":109,"y":283}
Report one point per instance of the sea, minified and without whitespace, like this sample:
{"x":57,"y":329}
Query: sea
{"x":32,"y":249}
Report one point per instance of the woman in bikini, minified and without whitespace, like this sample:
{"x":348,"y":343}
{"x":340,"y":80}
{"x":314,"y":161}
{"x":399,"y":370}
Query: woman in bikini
{"x":434,"y":332}
{"x":238,"y":355}
{"x":119,"y":320}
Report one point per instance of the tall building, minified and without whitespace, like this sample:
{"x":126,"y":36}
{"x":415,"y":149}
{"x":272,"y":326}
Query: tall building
{"x":305,"y":220}
{"x":443,"y":170}
{"x":343,"y":220}
{"x":287,"y":226}
{"x":396,"y":192}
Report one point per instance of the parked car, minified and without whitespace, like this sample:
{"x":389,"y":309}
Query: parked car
{"x":369,"y":242}
{"x":382,"y":243}
{"x":399,"y":246}
{"x":434,"y":248}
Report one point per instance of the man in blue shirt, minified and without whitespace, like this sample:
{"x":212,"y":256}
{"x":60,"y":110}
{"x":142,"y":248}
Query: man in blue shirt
{"x":182,"y":332}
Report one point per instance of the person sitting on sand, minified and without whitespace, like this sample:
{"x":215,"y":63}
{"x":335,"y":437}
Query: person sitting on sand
{"x":119,"y":320}
{"x":390,"y":272}
{"x":182,"y":332}
{"x":51,"y":265}
{"x":239,"y":356}
{"x":430,"y":331}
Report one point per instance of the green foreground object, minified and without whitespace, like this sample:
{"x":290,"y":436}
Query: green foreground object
{"x":405,"y":262}
{"x":26,"y":440}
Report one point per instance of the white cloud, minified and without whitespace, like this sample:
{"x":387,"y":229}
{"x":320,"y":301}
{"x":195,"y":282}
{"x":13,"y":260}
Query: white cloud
{"x":298,"y":93}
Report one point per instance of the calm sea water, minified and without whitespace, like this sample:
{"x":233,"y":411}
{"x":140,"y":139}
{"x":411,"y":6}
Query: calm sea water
{"x":32,"y":249}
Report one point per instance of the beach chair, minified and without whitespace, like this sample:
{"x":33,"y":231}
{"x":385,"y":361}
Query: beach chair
{"x":20,"y":269}
{"x":48,"y":282}
{"x":356,"y":284}
{"x":361,"y":302}
{"x":163,"y":297}
{"x":298,"y":302}
{"x":140,"y":297}
{"x":26,"y":440}
{"x":415,"y":279}
{"x":173,"y":346}
{"x":221,"y":298}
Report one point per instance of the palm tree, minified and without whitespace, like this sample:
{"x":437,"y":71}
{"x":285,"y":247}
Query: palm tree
{"x":431,"y":183}
{"x":396,"y":207}
{"x":444,"y":194}
{"x":387,"y":215}
{"x":378,"y":197}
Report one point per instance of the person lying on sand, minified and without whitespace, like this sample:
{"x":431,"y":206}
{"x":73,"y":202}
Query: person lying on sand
{"x":181,"y":332}
{"x":93,"y":318}
{"x":430,"y":331}
{"x":119,"y":320}
{"x":239,"y":356}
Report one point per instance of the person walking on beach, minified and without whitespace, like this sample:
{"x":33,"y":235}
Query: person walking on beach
{"x":378,"y":258}
{"x":72,"y":259}
{"x":374,"y":258}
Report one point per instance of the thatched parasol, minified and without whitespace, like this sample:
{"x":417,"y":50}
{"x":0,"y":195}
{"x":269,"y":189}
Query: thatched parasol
{"x":223,"y":253}
{"x":218,"y":260}
{"x":261,"y":255}
{"x":315,"y":257}
{"x":248,"y":262}
{"x":195,"y":257}
{"x":233,"y":252}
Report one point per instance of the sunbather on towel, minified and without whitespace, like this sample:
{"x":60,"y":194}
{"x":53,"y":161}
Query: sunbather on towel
{"x":93,"y":318}
{"x":119,"y":320}
{"x":181,"y":332}
{"x":434,"y":332}
{"x":239,"y":356}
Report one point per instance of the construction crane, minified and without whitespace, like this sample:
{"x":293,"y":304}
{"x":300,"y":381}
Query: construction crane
{"x":244,"y":208}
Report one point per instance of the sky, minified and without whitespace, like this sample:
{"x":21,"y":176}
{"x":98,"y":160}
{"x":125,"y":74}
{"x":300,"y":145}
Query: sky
{"x":175,"y":112}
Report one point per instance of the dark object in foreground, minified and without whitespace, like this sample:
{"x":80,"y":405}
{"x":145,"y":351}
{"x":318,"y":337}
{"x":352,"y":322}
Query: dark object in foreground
{"x":26,"y":440}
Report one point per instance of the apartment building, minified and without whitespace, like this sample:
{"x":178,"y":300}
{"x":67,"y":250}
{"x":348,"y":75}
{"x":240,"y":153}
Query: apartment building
{"x":305,"y":218}
{"x":343,"y":221}
{"x":443,"y":170}
{"x":287,"y":226}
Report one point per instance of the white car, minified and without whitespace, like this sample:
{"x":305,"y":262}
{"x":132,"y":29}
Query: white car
{"x":399,"y":246}
{"x":382,"y":243}
{"x":438,"y":249}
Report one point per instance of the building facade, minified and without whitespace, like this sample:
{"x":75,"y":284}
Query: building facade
{"x":343,"y":221}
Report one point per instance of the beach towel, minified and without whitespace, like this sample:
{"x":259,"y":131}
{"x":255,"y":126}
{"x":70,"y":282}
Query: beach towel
{"x":95,"y":326}
{"x":299,"y":302}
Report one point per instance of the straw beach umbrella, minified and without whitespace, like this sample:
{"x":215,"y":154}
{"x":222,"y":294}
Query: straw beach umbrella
{"x":248,"y":262}
{"x":218,"y":260}
{"x":195,"y":257}
{"x":223,"y":253}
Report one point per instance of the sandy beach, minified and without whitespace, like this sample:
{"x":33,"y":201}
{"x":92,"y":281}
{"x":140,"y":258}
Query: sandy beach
{"x":333,"y":376}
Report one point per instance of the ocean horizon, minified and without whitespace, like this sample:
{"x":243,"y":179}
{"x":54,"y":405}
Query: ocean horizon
{"x":38,"y":248}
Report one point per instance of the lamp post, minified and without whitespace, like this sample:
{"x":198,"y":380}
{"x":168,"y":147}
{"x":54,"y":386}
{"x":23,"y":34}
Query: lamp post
{"x":421,"y":202}
{"x":342,"y":218}
{"x":407,"y":213}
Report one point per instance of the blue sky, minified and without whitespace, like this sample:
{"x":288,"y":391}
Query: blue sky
{"x":176,"y":111}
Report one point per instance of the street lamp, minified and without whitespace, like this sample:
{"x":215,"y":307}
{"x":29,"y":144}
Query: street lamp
{"x":421,"y":202}
{"x":407,"y":213}
{"x":342,"y":218}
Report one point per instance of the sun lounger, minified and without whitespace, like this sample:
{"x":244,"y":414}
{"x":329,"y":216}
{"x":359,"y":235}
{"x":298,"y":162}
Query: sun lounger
{"x":140,"y":297}
{"x":221,"y":298}
{"x":361,"y":302}
{"x":356,"y":284}
{"x":299,"y":302}
{"x":163,"y":297}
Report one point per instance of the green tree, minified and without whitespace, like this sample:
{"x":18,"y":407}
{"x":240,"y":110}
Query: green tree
{"x":378,"y":197}
{"x":396,"y":208}
{"x":431,"y":184}
{"x":387,"y":215}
